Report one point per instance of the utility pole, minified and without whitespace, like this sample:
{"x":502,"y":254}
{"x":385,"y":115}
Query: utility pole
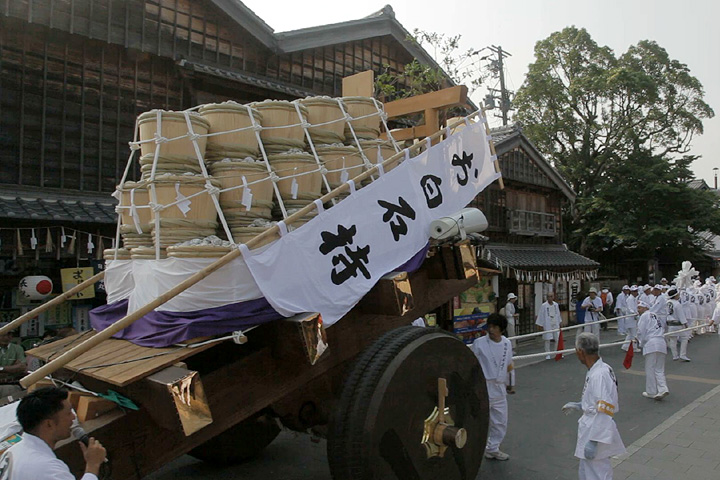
{"x":498,"y":69}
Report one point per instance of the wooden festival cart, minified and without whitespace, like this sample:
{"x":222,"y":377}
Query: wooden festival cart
{"x":394,"y":401}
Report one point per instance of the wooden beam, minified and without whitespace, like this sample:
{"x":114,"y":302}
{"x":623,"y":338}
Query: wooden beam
{"x":448,"y":97}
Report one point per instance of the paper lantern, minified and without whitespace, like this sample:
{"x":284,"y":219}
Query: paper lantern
{"x":35,"y":287}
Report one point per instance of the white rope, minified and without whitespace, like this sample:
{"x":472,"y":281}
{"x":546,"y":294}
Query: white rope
{"x":209,"y":187}
{"x":613,"y":344}
{"x":574,"y":327}
{"x":257,"y":128}
{"x":561,"y":352}
{"x":310,"y":142}
{"x":236,"y":336}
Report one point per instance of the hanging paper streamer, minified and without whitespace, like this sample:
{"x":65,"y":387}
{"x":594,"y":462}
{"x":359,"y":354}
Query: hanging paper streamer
{"x":294,"y":186}
{"x":90,"y":244}
{"x":183,"y":202}
{"x":246,"y":195}
{"x":63,"y":237}
{"x":33,"y":239}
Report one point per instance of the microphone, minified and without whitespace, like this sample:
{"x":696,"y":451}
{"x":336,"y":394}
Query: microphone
{"x":81,"y":436}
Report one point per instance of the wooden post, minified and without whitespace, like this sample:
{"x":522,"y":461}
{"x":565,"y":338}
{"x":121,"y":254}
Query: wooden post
{"x":128,"y":320}
{"x":55,"y":301}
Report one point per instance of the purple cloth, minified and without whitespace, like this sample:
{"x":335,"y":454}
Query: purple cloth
{"x":163,"y":328}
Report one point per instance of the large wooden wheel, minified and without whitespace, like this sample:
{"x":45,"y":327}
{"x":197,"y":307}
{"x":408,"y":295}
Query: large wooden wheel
{"x":239,"y":443}
{"x":386,"y":424}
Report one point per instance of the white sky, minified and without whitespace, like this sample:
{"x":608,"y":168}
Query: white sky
{"x":687,"y":29}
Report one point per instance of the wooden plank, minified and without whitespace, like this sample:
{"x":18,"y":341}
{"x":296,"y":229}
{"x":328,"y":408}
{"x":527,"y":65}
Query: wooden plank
{"x":114,"y":351}
{"x":448,"y":97}
{"x":90,"y":407}
{"x":359,"y":85}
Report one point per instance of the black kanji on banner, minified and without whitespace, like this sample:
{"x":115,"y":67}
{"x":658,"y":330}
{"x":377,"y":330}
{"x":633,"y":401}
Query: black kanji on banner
{"x":466,"y":164}
{"x":351,"y":260}
{"x":402,"y":209}
{"x":431,"y":189}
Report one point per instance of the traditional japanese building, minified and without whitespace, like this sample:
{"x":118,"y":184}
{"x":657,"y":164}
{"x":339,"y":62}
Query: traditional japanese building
{"x":75,"y":74}
{"x":525,"y":230}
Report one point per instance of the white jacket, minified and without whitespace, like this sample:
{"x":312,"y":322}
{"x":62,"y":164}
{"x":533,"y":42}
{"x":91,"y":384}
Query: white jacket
{"x":33,"y":459}
{"x":599,"y":406}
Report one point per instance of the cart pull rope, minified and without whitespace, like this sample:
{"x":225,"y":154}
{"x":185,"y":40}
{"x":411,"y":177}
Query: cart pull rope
{"x":613,"y":344}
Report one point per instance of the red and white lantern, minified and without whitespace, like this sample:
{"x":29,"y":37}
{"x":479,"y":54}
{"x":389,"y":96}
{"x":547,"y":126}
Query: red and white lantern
{"x":35,"y":287}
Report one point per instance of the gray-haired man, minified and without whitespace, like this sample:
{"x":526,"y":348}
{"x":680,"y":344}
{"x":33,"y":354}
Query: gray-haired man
{"x":598,"y":436}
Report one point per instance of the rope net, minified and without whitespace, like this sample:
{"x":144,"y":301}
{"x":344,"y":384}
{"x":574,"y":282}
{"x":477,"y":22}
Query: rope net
{"x":236,"y":170}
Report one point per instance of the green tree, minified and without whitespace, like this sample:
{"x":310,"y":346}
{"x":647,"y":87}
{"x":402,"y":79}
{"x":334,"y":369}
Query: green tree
{"x":646,"y":208}
{"x":453,"y":66}
{"x":591,"y":112}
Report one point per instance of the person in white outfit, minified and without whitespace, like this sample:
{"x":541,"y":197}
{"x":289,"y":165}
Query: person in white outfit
{"x":47,"y":418}
{"x":512,"y":316}
{"x":644,"y":294}
{"x":549,"y":319}
{"x":651,"y":331}
{"x":676,"y":320}
{"x":621,"y":308}
{"x":594,"y":307}
{"x":631,"y":303}
{"x":598,"y":437}
{"x":494,"y":353}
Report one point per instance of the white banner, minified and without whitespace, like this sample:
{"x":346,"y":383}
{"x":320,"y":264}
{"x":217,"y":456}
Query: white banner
{"x":330,"y":263}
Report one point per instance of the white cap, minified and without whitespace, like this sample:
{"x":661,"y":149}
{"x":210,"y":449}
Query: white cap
{"x":647,"y":287}
{"x":511,"y":296}
{"x":657,"y":287}
{"x":634,"y":288}
{"x":642,"y":304}
{"x":592,"y":290}
{"x":626,"y":287}
{"x":672,"y":292}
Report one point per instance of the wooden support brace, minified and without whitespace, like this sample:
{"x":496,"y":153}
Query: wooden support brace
{"x":391,"y":295}
{"x":90,"y":407}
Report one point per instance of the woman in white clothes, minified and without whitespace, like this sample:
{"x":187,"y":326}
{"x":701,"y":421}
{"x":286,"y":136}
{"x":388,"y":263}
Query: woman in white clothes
{"x":650,"y":337}
{"x":511,"y":315}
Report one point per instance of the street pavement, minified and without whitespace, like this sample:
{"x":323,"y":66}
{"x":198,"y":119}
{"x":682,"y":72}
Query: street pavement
{"x":677,"y":438}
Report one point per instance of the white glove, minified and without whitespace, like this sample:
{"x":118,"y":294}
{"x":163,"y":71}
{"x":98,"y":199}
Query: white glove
{"x":591,"y":449}
{"x":570,"y":406}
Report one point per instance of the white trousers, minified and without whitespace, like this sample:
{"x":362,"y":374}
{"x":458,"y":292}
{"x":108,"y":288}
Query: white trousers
{"x":511,"y":333}
{"x":595,"y":469}
{"x":631,"y":333}
{"x":655,"y":373}
{"x":498,"y":423}
{"x":672,"y":340}
{"x":555,"y":336}
{"x":593,"y":328}
{"x":621,"y":324}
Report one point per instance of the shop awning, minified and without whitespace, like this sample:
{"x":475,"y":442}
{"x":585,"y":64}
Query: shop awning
{"x":537,"y":263}
{"x":44,"y":206}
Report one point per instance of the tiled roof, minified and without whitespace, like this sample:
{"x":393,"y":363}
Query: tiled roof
{"x":247,"y":79}
{"x":49,"y":207}
{"x":500,"y":134}
{"x":530,"y":257}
